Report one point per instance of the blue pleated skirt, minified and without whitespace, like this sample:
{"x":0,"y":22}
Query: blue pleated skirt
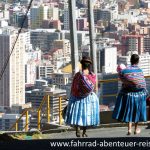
{"x":83,"y":111}
{"x":131,"y":106}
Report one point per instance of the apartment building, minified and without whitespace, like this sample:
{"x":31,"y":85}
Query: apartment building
{"x":12,"y":84}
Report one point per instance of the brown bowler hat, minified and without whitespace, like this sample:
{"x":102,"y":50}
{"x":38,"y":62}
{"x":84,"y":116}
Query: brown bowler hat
{"x":86,"y":59}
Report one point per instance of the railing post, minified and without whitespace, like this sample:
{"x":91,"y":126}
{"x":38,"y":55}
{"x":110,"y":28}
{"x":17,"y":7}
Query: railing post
{"x":101,"y":96}
{"x":48,"y":109}
{"x":60,"y":110}
{"x":39,"y":120}
{"x":27,"y":121}
{"x":16,"y":126}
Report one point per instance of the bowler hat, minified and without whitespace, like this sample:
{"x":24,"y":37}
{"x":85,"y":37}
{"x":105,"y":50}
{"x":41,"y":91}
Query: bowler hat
{"x":86,"y":59}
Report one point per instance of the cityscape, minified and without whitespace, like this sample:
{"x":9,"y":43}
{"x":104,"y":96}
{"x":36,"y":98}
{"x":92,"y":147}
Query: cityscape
{"x":36,"y":58}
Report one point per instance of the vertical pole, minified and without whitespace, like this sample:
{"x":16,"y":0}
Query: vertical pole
{"x":48,"y":109}
{"x":148,"y":113}
{"x":73,"y":36}
{"x":16,"y":126}
{"x":60,"y":109}
{"x":92,"y":34}
{"x":101,"y":95}
{"x":39,"y":118}
{"x":27,"y":121}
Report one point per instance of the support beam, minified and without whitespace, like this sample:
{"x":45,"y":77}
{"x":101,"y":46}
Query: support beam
{"x":92,"y":35}
{"x":48,"y":108}
{"x":27,"y":121}
{"x":39,"y":119}
{"x":60,"y":110}
{"x":73,"y":36}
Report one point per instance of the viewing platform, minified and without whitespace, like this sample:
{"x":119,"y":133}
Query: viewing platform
{"x":65,"y":132}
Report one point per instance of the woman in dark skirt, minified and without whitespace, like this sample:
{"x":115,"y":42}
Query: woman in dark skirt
{"x":131,"y":101}
{"x":83,"y":106}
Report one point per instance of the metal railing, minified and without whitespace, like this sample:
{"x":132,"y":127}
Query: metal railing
{"x":26,"y":113}
{"x":46,"y":99}
{"x":113,"y":80}
{"x":60,"y":110}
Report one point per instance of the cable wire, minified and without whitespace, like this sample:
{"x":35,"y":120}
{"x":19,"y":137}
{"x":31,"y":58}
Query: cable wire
{"x":19,"y":31}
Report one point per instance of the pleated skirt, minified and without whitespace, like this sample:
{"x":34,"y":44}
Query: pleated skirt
{"x":83,"y":111}
{"x":131,"y":107}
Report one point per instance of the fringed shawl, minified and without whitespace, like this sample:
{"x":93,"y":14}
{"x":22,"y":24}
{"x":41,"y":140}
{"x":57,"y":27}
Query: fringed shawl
{"x":133,"y":78}
{"x":82,"y":84}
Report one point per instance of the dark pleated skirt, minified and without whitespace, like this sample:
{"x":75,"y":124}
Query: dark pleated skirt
{"x":131,"y":106}
{"x":83,"y":111}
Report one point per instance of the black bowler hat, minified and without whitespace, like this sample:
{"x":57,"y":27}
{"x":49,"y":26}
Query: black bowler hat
{"x":86,"y":59}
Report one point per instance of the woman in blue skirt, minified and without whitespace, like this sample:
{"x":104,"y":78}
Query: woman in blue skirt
{"x":83,"y":106}
{"x":131,"y":101}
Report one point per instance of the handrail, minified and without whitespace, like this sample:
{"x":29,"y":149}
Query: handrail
{"x":46,"y":98}
{"x":60,"y":110}
{"x":39,"y":111}
{"x":43,"y":101}
{"x":114,"y":80}
{"x":48,"y":110}
{"x":25,"y":112}
{"x":109,"y":95}
{"x":108,"y":80}
{"x":147,"y":77}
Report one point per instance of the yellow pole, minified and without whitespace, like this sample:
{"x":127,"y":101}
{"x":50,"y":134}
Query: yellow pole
{"x":39,"y":119}
{"x":27,"y":121}
{"x":16,"y":126}
{"x":48,"y":109}
{"x":60,"y":115}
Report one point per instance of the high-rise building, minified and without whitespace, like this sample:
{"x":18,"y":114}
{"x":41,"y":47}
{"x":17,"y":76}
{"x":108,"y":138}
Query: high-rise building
{"x":30,"y":72}
{"x":60,"y":79}
{"x":107,"y":60}
{"x":18,"y":19}
{"x":81,"y":24}
{"x":32,"y":60}
{"x":132,"y":43}
{"x":38,"y":14}
{"x":12,"y":84}
{"x":66,"y":19}
{"x":64,"y":45}
{"x":3,"y":23}
{"x":84,"y":2}
{"x":44,"y":71}
{"x":53,"y":13}
{"x":147,"y":44}
{"x":24,"y":2}
{"x":43,"y":38}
